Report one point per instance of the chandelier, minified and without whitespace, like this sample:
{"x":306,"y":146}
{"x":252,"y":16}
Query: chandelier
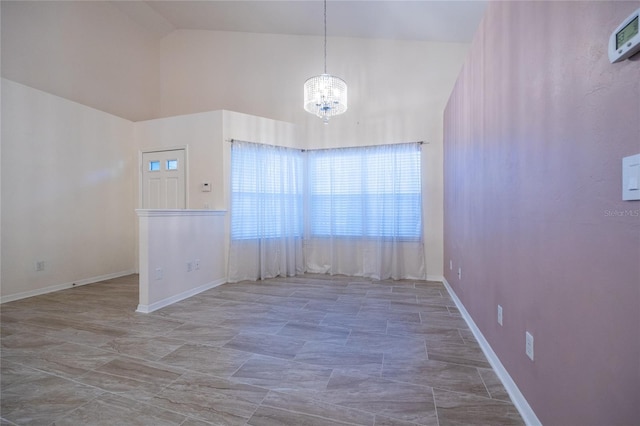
{"x":325,"y":95}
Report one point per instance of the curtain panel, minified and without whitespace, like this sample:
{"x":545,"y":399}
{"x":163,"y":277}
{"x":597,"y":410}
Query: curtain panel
{"x":351,"y":211}
{"x":364,"y":211}
{"x":266,"y":212}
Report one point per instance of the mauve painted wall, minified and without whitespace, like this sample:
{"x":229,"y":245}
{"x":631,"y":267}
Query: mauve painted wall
{"x":535,"y":131}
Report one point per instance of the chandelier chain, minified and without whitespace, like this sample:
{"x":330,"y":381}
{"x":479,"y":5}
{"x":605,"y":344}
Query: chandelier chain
{"x":325,"y":36}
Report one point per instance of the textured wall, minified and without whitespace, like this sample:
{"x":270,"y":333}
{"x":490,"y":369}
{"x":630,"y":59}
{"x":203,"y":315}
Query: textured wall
{"x":535,"y":131}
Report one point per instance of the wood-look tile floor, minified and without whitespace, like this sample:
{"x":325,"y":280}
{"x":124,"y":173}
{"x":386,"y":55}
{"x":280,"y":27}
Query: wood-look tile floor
{"x":311,"y":350}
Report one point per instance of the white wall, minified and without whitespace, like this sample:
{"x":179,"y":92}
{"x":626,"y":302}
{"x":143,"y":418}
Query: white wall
{"x":201,"y":135}
{"x":206,"y":137}
{"x":168,"y":241}
{"x":86,"y":51}
{"x":67,"y":197}
{"x":397,"y":93}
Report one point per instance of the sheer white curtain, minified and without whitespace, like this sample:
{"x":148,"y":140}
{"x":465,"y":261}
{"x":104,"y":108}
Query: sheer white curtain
{"x":266,"y":212}
{"x":364,"y":212}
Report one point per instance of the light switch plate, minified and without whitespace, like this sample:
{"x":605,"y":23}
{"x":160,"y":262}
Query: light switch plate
{"x":631,"y":178}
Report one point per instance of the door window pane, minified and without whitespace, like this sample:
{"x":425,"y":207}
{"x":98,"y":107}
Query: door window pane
{"x":172,"y":164}
{"x":154,"y":166}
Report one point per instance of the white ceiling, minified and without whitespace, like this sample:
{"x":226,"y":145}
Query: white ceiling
{"x":447,"y":20}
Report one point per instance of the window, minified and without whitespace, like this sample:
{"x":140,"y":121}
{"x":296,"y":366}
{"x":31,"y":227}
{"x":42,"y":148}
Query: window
{"x":154,"y":166}
{"x":266,"y":191}
{"x":365,"y":192}
{"x":372,"y":192}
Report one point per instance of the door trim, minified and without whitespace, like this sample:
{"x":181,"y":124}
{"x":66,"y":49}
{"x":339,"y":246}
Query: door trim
{"x":141,"y":152}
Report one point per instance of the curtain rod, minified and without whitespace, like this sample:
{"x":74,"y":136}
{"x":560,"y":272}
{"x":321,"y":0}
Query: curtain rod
{"x":261,"y":143}
{"x":371,"y":146}
{"x":361,"y":146}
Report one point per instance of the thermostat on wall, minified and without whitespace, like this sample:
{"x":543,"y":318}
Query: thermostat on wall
{"x":624,"y":41}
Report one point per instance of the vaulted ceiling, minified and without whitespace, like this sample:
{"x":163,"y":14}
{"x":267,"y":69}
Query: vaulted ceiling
{"x":444,"y":21}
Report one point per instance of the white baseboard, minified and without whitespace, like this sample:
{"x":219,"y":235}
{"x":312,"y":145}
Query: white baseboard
{"x":145,"y":309}
{"x":517,"y":398}
{"x":58,"y":287}
{"x":438,"y":278}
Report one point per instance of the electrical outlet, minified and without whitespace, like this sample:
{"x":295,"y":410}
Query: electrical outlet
{"x":189,"y":266}
{"x":450,"y":265}
{"x":40,"y":265}
{"x":499,"y":314}
{"x":158,"y":273}
{"x":196,"y":264}
{"x":529,"y":345}
{"x":459,"y":273}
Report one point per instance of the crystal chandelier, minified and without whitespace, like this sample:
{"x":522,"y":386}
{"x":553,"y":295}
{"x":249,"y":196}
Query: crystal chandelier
{"x":325,"y":95}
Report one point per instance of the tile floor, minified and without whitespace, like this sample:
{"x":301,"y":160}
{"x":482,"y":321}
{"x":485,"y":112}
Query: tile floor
{"x":312,"y":350}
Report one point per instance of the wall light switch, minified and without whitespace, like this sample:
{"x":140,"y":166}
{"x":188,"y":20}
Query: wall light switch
{"x":631,"y":178}
{"x":529,"y":345}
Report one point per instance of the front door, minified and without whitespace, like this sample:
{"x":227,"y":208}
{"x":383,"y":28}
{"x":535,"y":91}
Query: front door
{"x":163,"y":180}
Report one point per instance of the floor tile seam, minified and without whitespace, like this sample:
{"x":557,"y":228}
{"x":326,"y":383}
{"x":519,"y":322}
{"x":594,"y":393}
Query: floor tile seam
{"x":462,"y":337}
{"x":348,"y":337}
{"x":148,"y":360}
{"x":187,"y":370}
{"x":4,"y":419}
{"x":102,"y":391}
{"x":48,"y":373}
{"x":484,"y":384}
{"x":39,"y":332}
{"x":473,"y":364}
{"x":394,"y":416}
{"x":428,"y":329}
{"x":257,"y":407}
{"x":203,"y":324}
{"x":249,"y":333}
{"x":317,"y":416}
{"x":242,"y":365}
{"x":19,"y":352}
{"x":475,"y":395}
{"x":354,"y":350}
{"x":82,"y":376}
{"x":441,"y":388}
{"x":340,"y":367}
{"x":68,"y":413}
{"x":299,"y":322}
{"x":147,"y":403}
{"x":400,"y":382}
{"x":435,"y":406}
{"x":487,"y":387}
{"x":409,"y":335}
{"x":193,"y":416}
{"x":171,"y":368}
{"x":124,"y":329}
{"x":323,"y":402}
{"x":86,"y":345}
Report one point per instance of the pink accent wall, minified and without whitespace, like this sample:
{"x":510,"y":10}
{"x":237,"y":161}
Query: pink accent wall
{"x":535,"y":132}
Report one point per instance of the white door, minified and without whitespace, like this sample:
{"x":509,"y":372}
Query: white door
{"x":163,"y":180}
